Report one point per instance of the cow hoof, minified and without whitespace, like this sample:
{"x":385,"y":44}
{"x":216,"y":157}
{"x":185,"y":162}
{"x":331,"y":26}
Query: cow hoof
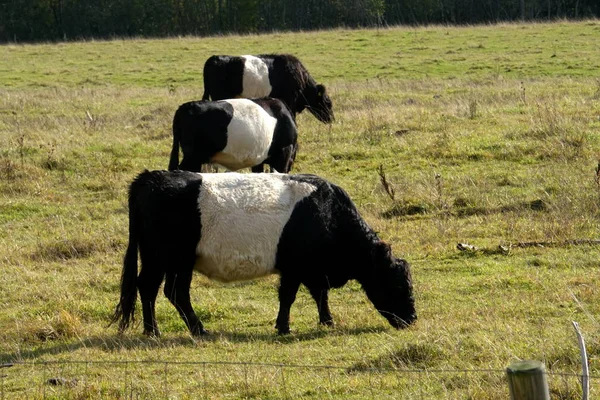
{"x":200,"y":332}
{"x":283,"y":331}
{"x":328,"y":322}
{"x":152,"y":333}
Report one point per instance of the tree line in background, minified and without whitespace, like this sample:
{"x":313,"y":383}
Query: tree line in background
{"x":37,"y":20}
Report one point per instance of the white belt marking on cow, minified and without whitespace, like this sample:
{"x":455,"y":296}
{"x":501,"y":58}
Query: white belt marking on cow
{"x":243,"y":216}
{"x":249,"y":136}
{"x":255,"y":82}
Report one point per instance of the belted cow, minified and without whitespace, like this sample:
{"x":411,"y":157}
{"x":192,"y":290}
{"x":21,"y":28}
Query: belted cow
{"x":233,"y":227}
{"x":275,"y":75}
{"x":235,"y":133}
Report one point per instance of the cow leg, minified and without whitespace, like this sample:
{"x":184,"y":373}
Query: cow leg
{"x":282,"y":161}
{"x":259,"y":168}
{"x":321,"y":297}
{"x":148,"y":285}
{"x":190,"y":164}
{"x":177,"y":290}
{"x":288,"y":287}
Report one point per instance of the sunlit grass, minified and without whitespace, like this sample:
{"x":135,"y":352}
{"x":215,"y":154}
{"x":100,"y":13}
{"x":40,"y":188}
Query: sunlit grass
{"x":487,"y":136}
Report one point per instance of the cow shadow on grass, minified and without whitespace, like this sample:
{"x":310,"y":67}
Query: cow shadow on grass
{"x":134,"y":341}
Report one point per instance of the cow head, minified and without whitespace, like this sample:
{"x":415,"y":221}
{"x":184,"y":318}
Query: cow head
{"x":388,"y":285}
{"x":318,"y":103}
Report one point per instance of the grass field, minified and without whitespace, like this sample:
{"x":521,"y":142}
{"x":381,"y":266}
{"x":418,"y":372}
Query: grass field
{"x":488,"y":135}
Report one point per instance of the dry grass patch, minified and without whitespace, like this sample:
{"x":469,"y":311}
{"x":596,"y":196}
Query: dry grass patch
{"x":498,"y":154}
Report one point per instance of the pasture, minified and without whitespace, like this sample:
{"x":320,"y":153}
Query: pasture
{"x":485,"y":135}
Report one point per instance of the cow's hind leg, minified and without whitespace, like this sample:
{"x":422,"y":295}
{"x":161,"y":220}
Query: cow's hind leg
{"x":190,"y":164}
{"x":258,"y":168}
{"x":149,"y":282}
{"x":321,"y":297}
{"x":177,"y":290}
{"x":288,"y":287}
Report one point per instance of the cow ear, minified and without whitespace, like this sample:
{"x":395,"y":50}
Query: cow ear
{"x":382,"y":251}
{"x":320,"y":90}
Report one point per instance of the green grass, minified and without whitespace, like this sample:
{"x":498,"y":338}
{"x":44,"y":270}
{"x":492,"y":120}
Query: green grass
{"x":509,"y":50}
{"x":488,"y":136}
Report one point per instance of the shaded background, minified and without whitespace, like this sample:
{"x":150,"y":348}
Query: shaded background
{"x":41,"y":20}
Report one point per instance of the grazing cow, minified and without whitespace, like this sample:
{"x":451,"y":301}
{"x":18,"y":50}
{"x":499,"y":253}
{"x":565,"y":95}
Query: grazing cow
{"x":234,"y":226}
{"x":235,"y":133}
{"x":275,"y":75}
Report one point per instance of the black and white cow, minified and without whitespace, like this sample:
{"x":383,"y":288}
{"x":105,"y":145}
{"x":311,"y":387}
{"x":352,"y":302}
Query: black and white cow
{"x":233,"y":227}
{"x":275,"y":75}
{"x":235,"y":133}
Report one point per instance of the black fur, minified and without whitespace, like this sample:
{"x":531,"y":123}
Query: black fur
{"x":225,"y":74}
{"x":324,"y":244}
{"x":289,"y":79}
{"x":200,"y":129}
{"x":164,"y":224}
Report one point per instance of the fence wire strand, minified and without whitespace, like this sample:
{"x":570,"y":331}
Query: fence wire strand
{"x":247,"y":380}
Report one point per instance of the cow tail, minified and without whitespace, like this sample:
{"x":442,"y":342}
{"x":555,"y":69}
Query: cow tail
{"x":125,"y":310}
{"x":208,"y":74}
{"x":174,"y":160}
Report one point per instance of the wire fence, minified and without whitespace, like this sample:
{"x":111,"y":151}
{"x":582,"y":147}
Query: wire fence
{"x":221,"y":379}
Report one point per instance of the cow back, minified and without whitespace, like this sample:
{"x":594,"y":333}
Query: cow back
{"x":243,"y":216}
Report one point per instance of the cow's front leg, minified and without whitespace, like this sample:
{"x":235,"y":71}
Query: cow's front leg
{"x":321,"y":297}
{"x":177,"y":290}
{"x":288,"y":287}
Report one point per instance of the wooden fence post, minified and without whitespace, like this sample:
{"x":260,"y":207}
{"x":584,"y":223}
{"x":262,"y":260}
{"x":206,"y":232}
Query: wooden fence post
{"x":527,"y":381}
